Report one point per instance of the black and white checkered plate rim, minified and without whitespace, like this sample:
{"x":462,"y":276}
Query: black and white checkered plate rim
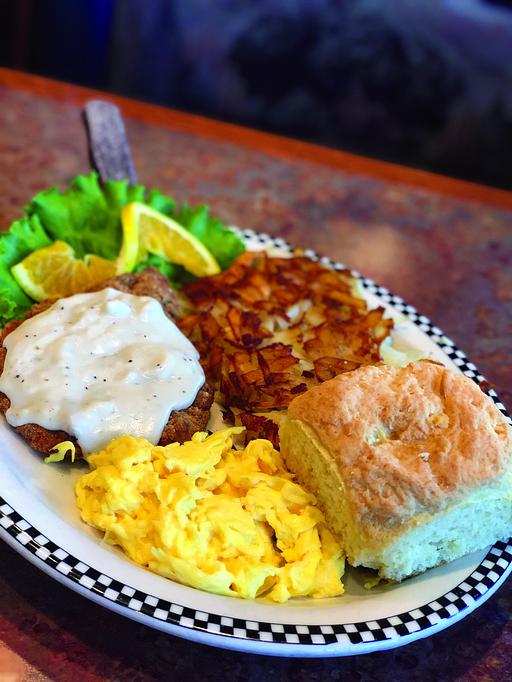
{"x":344,"y":637}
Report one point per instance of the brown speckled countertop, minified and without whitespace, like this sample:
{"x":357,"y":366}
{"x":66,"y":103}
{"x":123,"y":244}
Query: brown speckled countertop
{"x":446,"y":247}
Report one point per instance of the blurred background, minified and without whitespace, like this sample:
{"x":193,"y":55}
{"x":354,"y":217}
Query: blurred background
{"x":427,"y":83}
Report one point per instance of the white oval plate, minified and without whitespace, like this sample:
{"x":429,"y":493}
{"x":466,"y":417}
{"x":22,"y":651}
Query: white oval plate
{"x":39,"y":519}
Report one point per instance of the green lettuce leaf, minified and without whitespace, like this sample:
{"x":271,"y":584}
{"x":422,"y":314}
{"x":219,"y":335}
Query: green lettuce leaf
{"x":218,"y":239}
{"x":160,"y":202}
{"x":23,"y":237}
{"x":87,"y":216}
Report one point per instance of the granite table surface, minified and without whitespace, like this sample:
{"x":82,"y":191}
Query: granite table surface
{"x":445,"y":247}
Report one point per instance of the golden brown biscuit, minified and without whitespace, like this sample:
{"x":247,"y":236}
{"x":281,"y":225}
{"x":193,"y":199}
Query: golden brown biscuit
{"x":390,"y":451}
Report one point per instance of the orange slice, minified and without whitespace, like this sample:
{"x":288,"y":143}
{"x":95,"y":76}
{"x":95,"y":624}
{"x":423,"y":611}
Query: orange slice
{"x":54,"y":272}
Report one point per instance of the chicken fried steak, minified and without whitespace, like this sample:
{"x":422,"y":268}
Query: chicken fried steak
{"x":181,"y":425}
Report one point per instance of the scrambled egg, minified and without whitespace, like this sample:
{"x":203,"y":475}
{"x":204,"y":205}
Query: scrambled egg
{"x":218,"y":519}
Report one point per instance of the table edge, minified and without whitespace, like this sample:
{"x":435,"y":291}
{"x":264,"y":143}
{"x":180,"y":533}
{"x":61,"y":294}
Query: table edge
{"x":269,"y":143}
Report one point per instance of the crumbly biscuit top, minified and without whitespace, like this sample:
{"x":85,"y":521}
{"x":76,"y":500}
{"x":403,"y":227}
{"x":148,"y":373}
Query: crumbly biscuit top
{"x":406,"y":440}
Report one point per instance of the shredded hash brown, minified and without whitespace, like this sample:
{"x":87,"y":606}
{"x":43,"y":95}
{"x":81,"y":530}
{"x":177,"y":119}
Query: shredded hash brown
{"x":269,"y":328}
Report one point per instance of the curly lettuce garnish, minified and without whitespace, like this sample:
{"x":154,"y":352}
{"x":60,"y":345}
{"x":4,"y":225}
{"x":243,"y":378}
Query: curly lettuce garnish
{"x":23,"y":237}
{"x":86,"y":215}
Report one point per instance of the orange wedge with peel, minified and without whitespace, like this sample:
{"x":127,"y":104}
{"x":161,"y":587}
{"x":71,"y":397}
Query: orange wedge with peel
{"x":160,"y":235}
{"x":54,"y":272}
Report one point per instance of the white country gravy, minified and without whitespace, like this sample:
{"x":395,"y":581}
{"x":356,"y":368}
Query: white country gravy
{"x":100,"y":365}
